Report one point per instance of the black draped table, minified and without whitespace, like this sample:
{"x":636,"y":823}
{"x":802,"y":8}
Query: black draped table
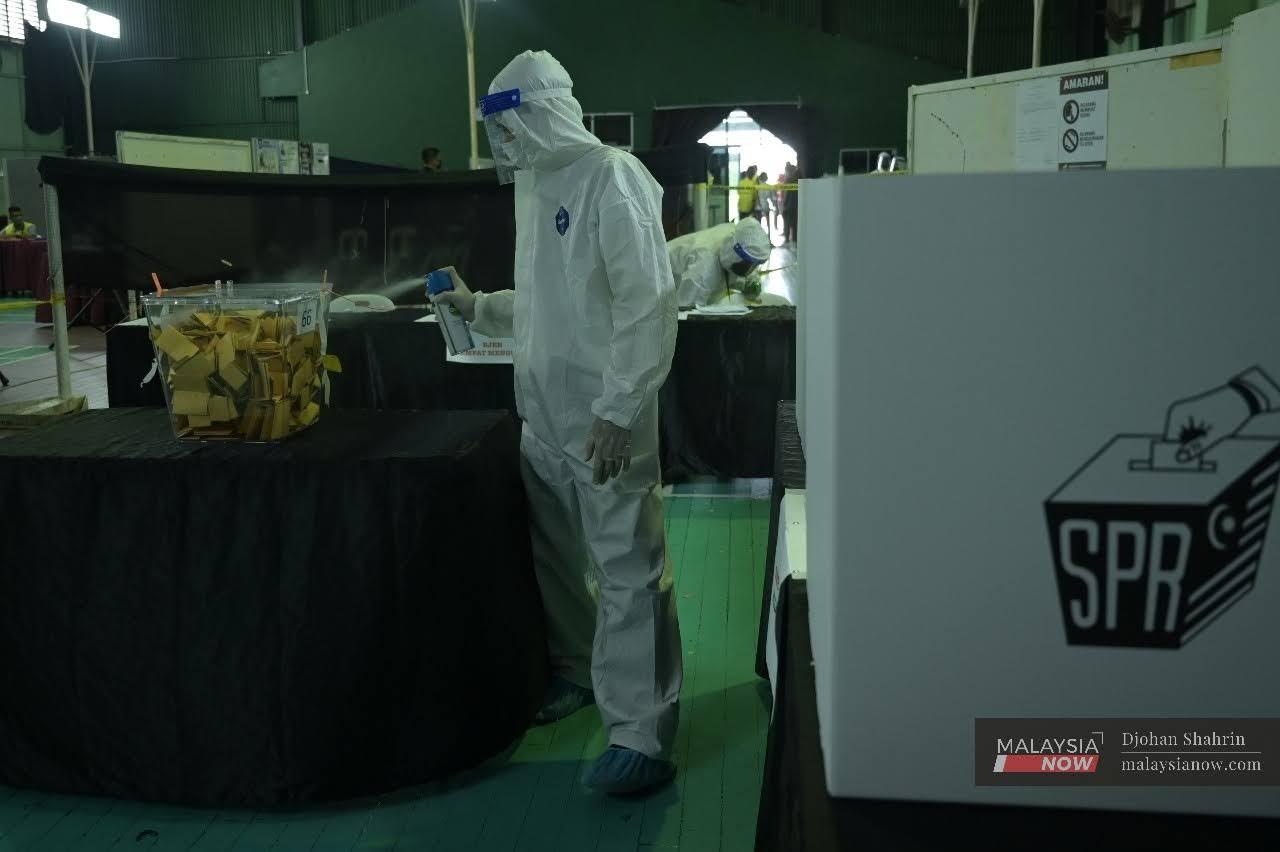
{"x":797,"y":813}
{"x":348,"y":612}
{"x":717,"y":407}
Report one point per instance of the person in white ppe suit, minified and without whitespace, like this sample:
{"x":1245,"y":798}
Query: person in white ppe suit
{"x":593,"y":314}
{"x":707,"y":263}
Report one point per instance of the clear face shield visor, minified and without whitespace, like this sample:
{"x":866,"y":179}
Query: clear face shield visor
{"x":504,"y":127}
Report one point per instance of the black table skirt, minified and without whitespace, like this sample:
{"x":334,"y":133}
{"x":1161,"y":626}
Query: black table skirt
{"x":788,"y":472}
{"x":348,"y":612}
{"x":796,"y":812}
{"x":717,"y":407}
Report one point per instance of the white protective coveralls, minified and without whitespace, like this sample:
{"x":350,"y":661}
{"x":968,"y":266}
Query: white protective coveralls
{"x":593,"y":315}
{"x":701,"y":261}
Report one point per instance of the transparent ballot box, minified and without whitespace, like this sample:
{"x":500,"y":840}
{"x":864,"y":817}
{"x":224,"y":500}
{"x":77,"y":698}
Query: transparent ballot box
{"x":243,"y":362}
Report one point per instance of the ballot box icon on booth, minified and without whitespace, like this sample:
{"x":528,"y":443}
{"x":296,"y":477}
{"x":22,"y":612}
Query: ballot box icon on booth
{"x":1154,"y":539}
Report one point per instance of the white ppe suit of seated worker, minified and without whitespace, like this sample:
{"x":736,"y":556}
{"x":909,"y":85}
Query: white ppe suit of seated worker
{"x":593,"y":314}
{"x":706,"y":263}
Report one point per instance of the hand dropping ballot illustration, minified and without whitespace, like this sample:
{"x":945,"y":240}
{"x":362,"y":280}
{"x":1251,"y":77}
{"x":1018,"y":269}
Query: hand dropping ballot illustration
{"x":1156,"y":537}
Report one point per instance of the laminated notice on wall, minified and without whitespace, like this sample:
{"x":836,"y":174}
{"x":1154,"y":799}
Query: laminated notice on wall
{"x":1083,"y":106}
{"x":1061,"y":123}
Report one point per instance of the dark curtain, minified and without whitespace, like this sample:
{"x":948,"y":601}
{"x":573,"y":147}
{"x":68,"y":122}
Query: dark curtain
{"x":54,"y":96}
{"x":786,"y":122}
{"x":676,"y":167}
{"x":685,"y":126}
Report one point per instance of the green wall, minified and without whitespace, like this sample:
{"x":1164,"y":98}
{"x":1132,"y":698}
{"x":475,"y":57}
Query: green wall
{"x":16,"y":139}
{"x":190,"y":67}
{"x":381,"y":92}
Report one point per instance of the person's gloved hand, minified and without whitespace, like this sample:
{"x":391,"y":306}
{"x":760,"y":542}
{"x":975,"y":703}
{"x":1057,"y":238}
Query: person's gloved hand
{"x":460,"y":297}
{"x":608,"y":449}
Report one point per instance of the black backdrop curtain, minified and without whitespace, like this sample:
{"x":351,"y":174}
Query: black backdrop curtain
{"x":53,"y":94}
{"x":792,"y":124}
{"x":686,"y":125}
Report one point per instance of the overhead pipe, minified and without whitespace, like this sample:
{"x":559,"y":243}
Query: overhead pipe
{"x":973,"y":31}
{"x":1037,"y":27}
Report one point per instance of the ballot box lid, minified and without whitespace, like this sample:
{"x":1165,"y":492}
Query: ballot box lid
{"x":1112,"y":477}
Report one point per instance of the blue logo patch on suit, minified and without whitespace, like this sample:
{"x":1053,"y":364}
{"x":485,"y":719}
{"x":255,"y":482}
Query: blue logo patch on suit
{"x":562,"y":221}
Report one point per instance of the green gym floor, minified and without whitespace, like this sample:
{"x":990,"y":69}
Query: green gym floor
{"x":531,"y":799}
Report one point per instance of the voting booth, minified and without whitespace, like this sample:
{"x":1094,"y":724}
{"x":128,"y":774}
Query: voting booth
{"x":1042,"y":435}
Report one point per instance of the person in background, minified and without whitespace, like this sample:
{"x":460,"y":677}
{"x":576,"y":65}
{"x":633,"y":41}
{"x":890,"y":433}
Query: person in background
{"x":18,"y":227}
{"x":791,"y":207}
{"x":593,"y":316}
{"x":431,"y":160}
{"x":747,"y":194}
{"x":779,"y":200}
{"x":707,"y":263}
{"x":764,"y":208}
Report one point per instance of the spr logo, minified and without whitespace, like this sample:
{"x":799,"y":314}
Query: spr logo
{"x":1156,"y":537}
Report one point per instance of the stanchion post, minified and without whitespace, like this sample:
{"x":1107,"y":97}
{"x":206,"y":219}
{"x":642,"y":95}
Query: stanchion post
{"x":61,"y":347}
{"x":700,"y":214}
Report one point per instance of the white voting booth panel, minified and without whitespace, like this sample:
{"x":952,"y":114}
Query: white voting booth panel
{"x":988,"y":360}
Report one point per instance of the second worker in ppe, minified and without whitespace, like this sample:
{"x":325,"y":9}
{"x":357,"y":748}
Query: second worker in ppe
{"x":593,"y":315}
{"x":707,"y":263}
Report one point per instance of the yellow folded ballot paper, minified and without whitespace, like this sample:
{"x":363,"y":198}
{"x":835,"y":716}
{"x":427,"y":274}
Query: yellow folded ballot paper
{"x":173,"y":344}
{"x":190,"y":402}
{"x":238,"y":373}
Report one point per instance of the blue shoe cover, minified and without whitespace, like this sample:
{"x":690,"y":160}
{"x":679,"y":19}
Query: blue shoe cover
{"x":623,"y":770}
{"x":562,"y":699}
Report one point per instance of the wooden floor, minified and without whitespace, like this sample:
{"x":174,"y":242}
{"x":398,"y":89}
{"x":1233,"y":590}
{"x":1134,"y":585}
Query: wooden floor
{"x":532,"y":799}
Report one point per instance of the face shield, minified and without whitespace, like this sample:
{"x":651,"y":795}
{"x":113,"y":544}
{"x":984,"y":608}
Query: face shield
{"x":508,"y":138}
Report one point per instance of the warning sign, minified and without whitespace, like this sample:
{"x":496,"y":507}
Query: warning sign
{"x":1082,"y":134}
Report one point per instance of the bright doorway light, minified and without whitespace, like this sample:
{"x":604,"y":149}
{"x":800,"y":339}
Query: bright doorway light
{"x":749,"y":144}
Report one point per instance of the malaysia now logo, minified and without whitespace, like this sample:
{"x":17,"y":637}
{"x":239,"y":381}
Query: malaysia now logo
{"x":1060,"y":755}
{"x":1157,"y":536}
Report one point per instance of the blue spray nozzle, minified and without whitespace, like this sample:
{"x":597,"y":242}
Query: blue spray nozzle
{"x":439,"y":282}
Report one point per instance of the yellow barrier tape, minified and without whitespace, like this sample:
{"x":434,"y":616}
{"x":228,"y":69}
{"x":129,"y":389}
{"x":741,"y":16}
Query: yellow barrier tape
{"x":22,"y":306}
{"x":763,"y":187}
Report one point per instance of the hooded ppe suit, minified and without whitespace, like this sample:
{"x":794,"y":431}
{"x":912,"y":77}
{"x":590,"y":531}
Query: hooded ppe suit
{"x":593,"y":315}
{"x":701,"y":261}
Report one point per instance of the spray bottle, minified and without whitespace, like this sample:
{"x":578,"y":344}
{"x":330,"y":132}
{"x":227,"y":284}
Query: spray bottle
{"x":457,"y":334}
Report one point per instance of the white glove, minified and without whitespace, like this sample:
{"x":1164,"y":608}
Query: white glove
{"x":459,"y":297}
{"x":609,"y":447}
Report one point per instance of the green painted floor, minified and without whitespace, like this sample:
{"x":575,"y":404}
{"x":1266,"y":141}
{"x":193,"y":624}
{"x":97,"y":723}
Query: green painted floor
{"x":14,"y":354}
{"x":21,"y":315}
{"x":531,"y":800}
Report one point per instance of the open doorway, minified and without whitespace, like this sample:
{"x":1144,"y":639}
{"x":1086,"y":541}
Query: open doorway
{"x":746,"y":144}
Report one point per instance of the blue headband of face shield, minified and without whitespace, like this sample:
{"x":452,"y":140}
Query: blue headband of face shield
{"x":491,"y":105}
{"x":499,"y":101}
